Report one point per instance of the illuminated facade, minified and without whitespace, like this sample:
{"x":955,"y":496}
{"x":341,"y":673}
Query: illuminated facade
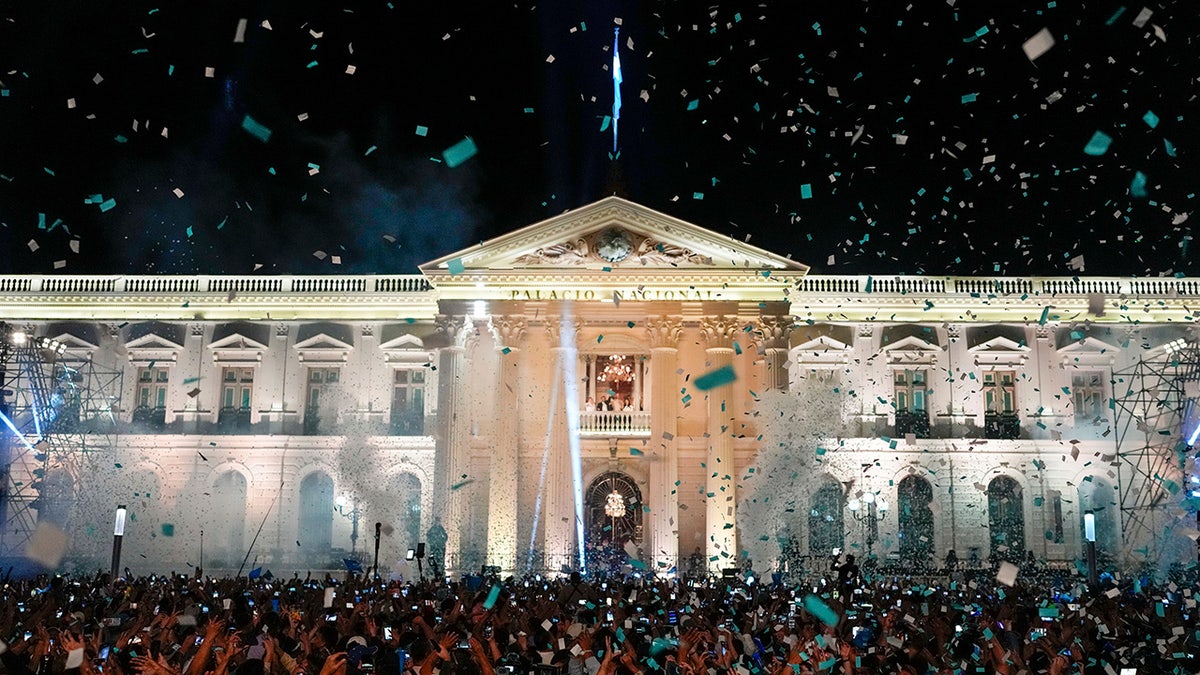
{"x":916,"y":414}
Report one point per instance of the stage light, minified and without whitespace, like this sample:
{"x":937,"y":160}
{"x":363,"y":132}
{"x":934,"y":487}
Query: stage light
{"x":1089,"y":526}
{"x":18,"y":338}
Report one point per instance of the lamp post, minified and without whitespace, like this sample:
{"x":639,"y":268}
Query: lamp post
{"x":353,"y":516}
{"x":118,"y":534}
{"x":1089,"y":535}
{"x":868,"y":518}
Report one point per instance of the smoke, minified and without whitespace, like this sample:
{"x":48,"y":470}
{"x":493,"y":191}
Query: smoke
{"x":797,"y":426}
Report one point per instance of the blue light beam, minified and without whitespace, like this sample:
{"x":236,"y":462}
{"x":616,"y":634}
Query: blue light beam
{"x":616,"y":74}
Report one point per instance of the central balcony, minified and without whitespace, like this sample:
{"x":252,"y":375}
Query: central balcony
{"x":614,"y":424}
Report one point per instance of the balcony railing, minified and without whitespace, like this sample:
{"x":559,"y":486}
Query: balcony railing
{"x":912,"y":422}
{"x":614,"y":423}
{"x":1001,"y":425}
{"x":233,"y":420}
{"x":150,"y":418}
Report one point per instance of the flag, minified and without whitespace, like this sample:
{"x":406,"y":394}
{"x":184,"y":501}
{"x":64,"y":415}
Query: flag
{"x":255,"y":573}
{"x":616,"y":73}
{"x":352,"y":564}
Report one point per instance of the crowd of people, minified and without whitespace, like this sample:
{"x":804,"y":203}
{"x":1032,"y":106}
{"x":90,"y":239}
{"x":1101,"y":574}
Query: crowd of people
{"x":623,"y":624}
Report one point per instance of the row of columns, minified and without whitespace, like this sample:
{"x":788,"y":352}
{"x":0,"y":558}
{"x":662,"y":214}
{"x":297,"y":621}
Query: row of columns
{"x":451,"y":339}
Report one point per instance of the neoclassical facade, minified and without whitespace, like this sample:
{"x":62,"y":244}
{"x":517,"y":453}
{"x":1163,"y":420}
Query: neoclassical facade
{"x":611,"y":376}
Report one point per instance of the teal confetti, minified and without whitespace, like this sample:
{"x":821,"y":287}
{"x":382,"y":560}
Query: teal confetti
{"x":806,"y":191}
{"x":168,"y":530}
{"x":422,"y":130}
{"x":1137,"y":188}
{"x":1150,"y":119}
{"x":459,"y":152}
{"x":716,"y":378}
{"x":255,"y":129}
{"x":455,"y":266}
{"x":493,"y":596}
{"x":1098,"y":145}
{"x":820,"y":610}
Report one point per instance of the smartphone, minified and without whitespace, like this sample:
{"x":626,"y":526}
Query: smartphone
{"x":331,"y":617}
{"x":387,"y":633}
{"x":410,"y":555}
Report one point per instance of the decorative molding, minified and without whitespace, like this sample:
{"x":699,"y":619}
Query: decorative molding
{"x":368,"y":330}
{"x":719,"y":331}
{"x":554,"y":328}
{"x":449,"y":330}
{"x":866,"y":330}
{"x":663,"y":331}
{"x":774,"y":331}
{"x":196,"y":329}
{"x":508,"y":331}
{"x":1043,"y":332}
{"x":614,"y":245}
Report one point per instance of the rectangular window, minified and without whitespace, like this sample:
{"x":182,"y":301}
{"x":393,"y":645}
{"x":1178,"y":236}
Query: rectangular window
{"x":320,"y":381}
{"x":408,"y":402}
{"x":152,"y":387}
{"x":1087,"y":393}
{"x":237,"y":388}
{"x":1057,"y":515}
{"x":910,"y":390}
{"x":999,"y":391}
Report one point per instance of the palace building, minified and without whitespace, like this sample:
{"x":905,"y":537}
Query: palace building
{"x":722,"y":403}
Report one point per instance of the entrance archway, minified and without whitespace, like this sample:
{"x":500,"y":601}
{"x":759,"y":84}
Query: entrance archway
{"x":613,"y":508}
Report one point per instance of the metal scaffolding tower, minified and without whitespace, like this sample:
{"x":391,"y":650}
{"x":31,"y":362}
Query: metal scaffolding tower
{"x":58,"y":420}
{"x":1153,"y":400}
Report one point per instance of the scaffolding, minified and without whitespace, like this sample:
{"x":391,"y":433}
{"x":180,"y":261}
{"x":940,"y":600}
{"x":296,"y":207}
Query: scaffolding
{"x":58,"y":412}
{"x":1153,"y":402}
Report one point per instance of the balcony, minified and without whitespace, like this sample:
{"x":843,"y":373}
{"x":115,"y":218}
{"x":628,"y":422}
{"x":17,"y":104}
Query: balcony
{"x":406,"y":423}
{"x":312,"y":424}
{"x":150,"y":419}
{"x":608,"y":424}
{"x":1006,"y":425}
{"x":233,"y":421}
{"x":912,"y":422}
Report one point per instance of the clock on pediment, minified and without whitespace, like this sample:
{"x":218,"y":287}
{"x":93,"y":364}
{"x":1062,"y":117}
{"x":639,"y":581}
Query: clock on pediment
{"x":614,"y":245}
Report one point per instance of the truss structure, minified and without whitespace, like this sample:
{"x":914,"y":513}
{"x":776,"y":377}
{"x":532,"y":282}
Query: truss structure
{"x":57,"y":424}
{"x":1154,"y":402}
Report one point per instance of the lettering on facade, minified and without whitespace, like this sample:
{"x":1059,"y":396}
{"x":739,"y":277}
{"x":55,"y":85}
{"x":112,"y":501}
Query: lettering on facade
{"x":618,"y":295}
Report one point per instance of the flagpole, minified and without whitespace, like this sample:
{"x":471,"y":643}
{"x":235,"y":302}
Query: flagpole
{"x":260,"y":529}
{"x":616,"y":74}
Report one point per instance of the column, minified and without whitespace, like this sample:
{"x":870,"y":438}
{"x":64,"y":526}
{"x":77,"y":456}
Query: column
{"x":775,"y":332}
{"x":452,"y":449}
{"x":559,"y":511}
{"x":509,"y":332}
{"x":720,"y":485}
{"x":663,"y":334}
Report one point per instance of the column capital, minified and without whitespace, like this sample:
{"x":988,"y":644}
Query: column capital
{"x":555,"y":326}
{"x":663,"y":331}
{"x":719,"y":331}
{"x":508,"y":330}
{"x":450,"y":330}
{"x":774,"y":331}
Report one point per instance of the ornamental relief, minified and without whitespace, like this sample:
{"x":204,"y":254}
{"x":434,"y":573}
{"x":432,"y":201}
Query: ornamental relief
{"x":612,"y":246}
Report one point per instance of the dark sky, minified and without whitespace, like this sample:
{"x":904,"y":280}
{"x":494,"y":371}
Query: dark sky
{"x":930,"y":142}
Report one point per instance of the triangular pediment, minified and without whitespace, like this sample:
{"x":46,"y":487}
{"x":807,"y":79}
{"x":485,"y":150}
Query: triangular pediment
{"x":405,"y":341}
{"x":153,"y":342}
{"x":612,"y":234}
{"x":911,"y":343}
{"x":1088,"y":345}
{"x":321,"y":341}
{"x":75,"y":343}
{"x":237,"y":341}
{"x":823,"y":343}
{"x":999,"y":344}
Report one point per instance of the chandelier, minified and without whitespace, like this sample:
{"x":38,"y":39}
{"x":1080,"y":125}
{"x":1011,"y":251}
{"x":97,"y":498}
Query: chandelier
{"x":614,"y":505}
{"x":616,"y":370}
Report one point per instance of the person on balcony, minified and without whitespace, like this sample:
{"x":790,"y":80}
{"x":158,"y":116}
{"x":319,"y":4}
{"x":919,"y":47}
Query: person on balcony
{"x":590,"y":405}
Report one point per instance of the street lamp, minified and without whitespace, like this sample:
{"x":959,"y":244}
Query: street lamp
{"x":868,"y":517}
{"x":1089,"y":534}
{"x":118,"y":534}
{"x":353,"y":516}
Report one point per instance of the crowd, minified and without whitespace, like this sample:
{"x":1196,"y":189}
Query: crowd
{"x":620,"y":625}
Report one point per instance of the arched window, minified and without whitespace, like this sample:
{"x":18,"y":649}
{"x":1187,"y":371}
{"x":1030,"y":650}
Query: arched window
{"x":1098,"y":496}
{"x":316,"y":513}
{"x":614,"y":509}
{"x":826,"y":520}
{"x":1006,"y":518}
{"x":914,"y":514}
{"x":229,"y":517}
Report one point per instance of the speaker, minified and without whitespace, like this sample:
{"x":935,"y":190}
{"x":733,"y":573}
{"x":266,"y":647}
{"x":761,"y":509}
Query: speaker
{"x":421,"y":550}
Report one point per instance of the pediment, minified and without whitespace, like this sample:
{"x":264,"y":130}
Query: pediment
{"x":75,"y":343}
{"x":152,"y":342}
{"x":237,"y":342}
{"x":320,"y":342}
{"x":405,"y":341}
{"x":911,"y":351}
{"x":1088,"y":345}
{"x":612,"y":234}
{"x":823,"y":343}
{"x":999,"y":344}
{"x":911,"y":343}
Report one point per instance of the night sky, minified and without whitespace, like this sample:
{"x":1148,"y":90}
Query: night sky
{"x":860,"y":138}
